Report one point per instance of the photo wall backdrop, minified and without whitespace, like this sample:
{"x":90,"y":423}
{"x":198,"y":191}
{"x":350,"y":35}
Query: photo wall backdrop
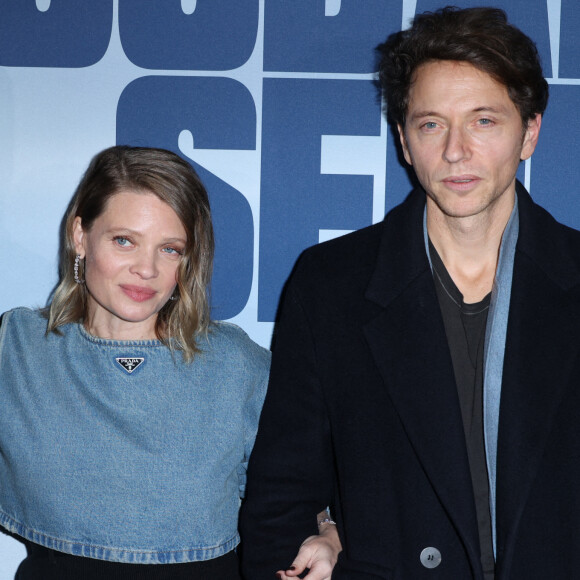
{"x":272,"y":102}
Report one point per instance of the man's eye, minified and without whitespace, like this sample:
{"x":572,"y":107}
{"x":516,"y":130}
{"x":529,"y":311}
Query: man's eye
{"x":430,"y":125}
{"x":121,"y":241}
{"x":485,"y":122}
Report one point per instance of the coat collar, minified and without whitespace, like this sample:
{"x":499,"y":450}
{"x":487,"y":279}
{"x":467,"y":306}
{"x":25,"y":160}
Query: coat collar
{"x":401,"y":257}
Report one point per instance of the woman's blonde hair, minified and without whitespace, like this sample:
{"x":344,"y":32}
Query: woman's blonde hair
{"x":172,"y":180}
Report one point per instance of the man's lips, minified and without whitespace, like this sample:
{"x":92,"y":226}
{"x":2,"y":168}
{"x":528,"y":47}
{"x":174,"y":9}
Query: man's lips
{"x":461,"y":182}
{"x":138,"y":293}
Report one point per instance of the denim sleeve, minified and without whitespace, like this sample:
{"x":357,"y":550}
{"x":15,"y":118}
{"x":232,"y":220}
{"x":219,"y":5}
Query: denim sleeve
{"x":252,"y":412}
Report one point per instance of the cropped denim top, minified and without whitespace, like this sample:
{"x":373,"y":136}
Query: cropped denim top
{"x":119,"y":450}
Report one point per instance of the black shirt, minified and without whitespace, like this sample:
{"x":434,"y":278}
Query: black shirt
{"x":465,"y":330}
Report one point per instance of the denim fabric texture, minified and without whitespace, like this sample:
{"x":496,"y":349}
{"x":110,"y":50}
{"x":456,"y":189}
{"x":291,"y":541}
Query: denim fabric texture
{"x":142,"y":467}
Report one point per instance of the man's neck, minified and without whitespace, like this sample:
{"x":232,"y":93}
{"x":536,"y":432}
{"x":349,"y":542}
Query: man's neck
{"x":469,"y":246}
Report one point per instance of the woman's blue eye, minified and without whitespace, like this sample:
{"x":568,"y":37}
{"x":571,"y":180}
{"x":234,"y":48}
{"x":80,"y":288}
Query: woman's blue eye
{"x":172,"y":251}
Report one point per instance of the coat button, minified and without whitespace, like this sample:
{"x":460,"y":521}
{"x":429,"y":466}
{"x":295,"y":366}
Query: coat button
{"x":430,"y":557}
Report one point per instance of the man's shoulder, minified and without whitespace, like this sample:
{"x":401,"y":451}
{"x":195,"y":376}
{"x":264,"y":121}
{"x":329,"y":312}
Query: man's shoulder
{"x":346,"y":257}
{"x":569,"y":234}
{"x":562,"y":254}
{"x":358,"y":251}
{"x":553,"y":246}
{"x":359,"y":241}
{"x":542,"y":235}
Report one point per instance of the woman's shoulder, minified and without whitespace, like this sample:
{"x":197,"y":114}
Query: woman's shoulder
{"x":22,"y":325}
{"x":24,"y":317}
{"x":230,"y":339}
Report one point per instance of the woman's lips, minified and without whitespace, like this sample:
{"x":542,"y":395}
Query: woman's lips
{"x":138,"y":293}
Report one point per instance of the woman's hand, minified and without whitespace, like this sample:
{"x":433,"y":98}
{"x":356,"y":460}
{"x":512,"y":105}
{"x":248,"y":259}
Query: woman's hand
{"x":319,"y":553}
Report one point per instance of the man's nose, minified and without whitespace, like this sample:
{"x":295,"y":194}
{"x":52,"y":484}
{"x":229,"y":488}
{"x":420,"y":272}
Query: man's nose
{"x":456,"y":145}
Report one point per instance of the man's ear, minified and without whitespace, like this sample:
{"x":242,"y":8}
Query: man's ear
{"x":531,"y":137}
{"x":404,"y":145}
{"x":79,"y":237}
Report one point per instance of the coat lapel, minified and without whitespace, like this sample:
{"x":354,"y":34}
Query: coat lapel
{"x":410,"y":349}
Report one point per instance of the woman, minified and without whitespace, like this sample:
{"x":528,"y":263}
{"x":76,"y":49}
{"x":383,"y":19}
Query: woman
{"x":127,"y":416}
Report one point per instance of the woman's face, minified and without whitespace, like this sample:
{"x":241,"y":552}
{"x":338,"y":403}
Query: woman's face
{"x":132,"y":252}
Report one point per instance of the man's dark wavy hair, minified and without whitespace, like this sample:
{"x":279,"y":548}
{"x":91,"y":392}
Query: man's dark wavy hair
{"x":480,"y":36}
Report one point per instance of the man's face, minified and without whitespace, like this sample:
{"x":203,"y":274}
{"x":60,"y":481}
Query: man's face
{"x":464,"y":138}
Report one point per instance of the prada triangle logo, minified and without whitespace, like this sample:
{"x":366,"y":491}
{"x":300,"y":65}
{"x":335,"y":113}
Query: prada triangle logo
{"x":130,"y":364}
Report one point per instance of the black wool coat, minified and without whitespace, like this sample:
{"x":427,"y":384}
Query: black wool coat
{"x":362,"y":413}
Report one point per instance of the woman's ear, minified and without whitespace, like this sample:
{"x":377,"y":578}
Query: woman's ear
{"x":79,"y":237}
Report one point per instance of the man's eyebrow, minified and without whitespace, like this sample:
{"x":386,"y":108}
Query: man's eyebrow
{"x":487,"y":109}
{"x":420,"y":114}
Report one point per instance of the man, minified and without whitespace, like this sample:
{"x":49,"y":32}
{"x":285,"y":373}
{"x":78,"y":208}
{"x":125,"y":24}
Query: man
{"x":426,"y":369}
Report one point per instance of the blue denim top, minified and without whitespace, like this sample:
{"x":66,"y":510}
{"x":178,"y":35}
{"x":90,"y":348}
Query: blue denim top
{"x":146,"y":466}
